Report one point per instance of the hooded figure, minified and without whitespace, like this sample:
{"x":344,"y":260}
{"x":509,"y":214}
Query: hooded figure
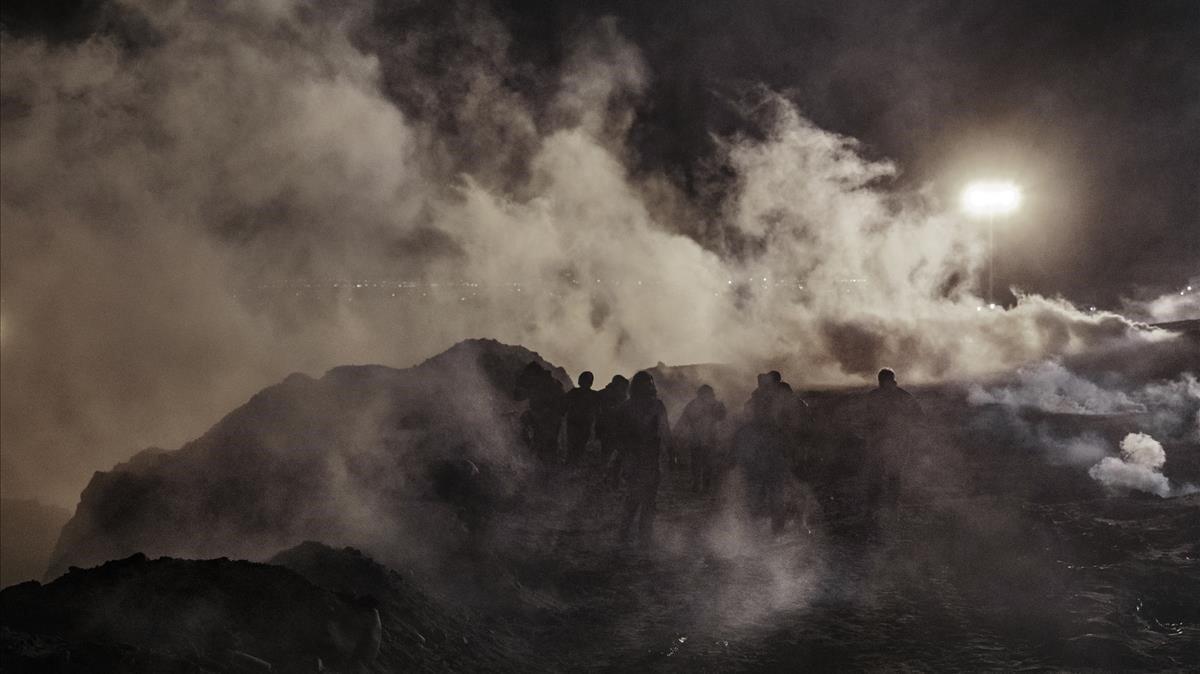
{"x":611,"y":398}
{"x":645,"y":441}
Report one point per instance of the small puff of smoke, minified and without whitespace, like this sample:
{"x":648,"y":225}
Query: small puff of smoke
{"x":1139,"y":468}
{"x":1143,"y":450}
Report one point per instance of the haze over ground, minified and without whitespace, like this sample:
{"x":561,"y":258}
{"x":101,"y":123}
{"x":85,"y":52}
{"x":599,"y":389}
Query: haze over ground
{"x":1002,"y":551}
{"x":659,"y":183}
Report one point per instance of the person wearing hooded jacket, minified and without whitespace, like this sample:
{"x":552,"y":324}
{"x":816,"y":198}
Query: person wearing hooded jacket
{"x":645,"y":441}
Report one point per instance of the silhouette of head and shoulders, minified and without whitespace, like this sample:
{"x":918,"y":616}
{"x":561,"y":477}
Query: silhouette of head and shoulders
{"x":537,"y":385}
{"x":777,"y":383}
{"x":890,"y":400}
{"x":615,"y":392}
{"x":704,"y":408}
{"x":643,"y":412}
{"x":581,"y":401}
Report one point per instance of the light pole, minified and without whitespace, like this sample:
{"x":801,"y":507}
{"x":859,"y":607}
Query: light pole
{"x":988,"y":199}
{"x":991,"y":258}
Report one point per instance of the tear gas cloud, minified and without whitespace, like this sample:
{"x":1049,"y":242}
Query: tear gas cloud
{"x":1171,"y":408}
{"x":1139,"y":468}
{"x":1168,"y":408}
{"x":1180,"y":305}
{"x":157,"y":170}
{"x":1051,"y":387}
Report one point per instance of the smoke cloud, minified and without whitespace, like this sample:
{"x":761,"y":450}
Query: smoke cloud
{"x":1179,"y":305}
{"x":1138,"y":468}
{"x":1171,"y":408}
{"x":174,"y":188}
{"x":1051,"y":387}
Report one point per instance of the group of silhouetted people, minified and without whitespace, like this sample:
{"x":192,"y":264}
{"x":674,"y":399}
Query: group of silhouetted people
{"x":623,"y":431}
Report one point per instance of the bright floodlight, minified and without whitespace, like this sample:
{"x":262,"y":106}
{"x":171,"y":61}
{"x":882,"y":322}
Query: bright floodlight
{"x":991,"y":198}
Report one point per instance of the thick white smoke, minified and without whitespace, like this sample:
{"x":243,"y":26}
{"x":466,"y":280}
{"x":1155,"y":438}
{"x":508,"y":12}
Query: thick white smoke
{"x":1051,"y":387}
{"x":1179,"y":305}
{"x":1138,"y":468}
{"x":1171,"y":408}
{"x":143,"y":190}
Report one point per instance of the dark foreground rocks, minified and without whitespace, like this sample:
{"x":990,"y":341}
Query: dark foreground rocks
{"x":313,"y":609}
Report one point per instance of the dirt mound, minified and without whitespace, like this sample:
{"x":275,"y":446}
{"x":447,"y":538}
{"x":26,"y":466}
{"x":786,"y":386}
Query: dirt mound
{"x":496,"y":360}
{"x":420,"y":633}
{"x":311,"y":602}
{"x":141,"y":615}
{"x":345,"y":458}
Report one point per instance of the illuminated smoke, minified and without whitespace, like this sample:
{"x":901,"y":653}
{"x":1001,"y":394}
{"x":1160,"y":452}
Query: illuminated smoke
{"x":149,"y":193}
{"x":1138,"y":468}
{"x":1178,"y":305}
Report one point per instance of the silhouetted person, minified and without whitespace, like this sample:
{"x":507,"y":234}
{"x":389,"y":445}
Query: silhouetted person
{"x":775,"y":399}
{"x":800,"y":426}
{"x":761,"y":450}
{"x":760,"y":396}
{"x":645,"y":442}
{"x":611,"y":398}
{"x":891,"y":403}
{"x":790,"y":410}
{"x":696,"y":430}
{"x":893,"y":415}
{"x":581,"y":407}
{"x":540,"y":423}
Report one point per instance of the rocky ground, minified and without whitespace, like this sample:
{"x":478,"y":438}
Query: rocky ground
{"x":313,"y":608}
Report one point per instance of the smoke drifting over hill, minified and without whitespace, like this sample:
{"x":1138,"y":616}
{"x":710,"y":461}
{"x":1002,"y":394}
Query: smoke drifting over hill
{"x":187,"y":151}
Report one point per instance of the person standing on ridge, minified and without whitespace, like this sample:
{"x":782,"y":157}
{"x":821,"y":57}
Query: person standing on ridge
{"x":541,"y":421}
{"x":581,"y":407}
{"x":611,"y":398}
